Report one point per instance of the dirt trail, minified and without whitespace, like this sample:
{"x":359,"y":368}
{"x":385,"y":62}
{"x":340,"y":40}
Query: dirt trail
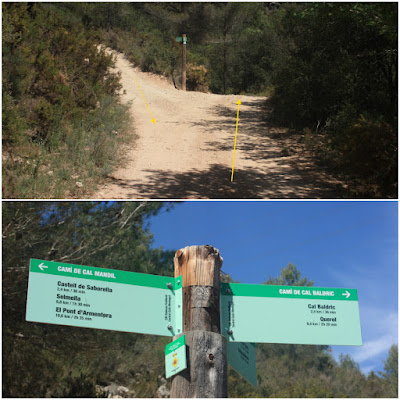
{"x":188,"y":152}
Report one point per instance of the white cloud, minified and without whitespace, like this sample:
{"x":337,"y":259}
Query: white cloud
{"x":377,"y":322}
{"x":373,"y":348}
{"x":379,"y":332}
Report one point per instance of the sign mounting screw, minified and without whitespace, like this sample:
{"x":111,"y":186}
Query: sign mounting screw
{"x":169,"y":327}
{"x":169,"y":285}
{"x":230,"y":332}
{"x":229,"y":291}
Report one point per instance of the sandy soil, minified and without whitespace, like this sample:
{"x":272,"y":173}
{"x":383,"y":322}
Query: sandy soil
{"x":188,"y":152}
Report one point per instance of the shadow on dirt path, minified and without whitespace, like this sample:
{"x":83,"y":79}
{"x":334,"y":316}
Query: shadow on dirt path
{"x":215,"y":183}
{"x":188,"y":152}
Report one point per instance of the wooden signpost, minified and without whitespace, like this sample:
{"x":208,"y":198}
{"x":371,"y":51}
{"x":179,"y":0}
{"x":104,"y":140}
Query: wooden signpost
{"x":183,"y":39}
{"x":207,"y":371}
{"x":184,"y":62}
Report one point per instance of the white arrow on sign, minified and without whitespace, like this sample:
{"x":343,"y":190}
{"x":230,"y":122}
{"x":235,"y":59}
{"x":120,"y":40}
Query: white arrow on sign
{"x":346,"y":293}
{"x":41,"y":266}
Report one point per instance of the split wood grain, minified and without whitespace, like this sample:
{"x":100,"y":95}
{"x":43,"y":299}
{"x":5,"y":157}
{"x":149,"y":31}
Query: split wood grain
{"x":198,"y":265}
{"x":207,"y":374}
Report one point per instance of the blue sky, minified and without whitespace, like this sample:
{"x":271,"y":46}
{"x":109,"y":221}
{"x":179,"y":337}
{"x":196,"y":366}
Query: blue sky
{"x":343,"y":244}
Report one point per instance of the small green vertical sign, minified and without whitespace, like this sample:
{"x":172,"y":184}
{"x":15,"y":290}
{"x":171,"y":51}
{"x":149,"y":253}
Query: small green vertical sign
{"x":175,"y":357}
{"x":242,"y":358}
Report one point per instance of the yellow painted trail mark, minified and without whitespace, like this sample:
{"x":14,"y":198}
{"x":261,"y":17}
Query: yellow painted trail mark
{"x":234,"y":146}
{"x":153,"y":120}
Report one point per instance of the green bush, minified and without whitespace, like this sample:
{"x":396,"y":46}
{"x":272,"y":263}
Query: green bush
{"x":14,"y":124}
{"x":62,"y":123}
{"x":367,"y":151}
{"x":338,"y":76}
{"x":79,"y":386}
{"x":74,"y":158}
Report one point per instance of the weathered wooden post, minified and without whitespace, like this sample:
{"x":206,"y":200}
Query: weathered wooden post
{"x":183,"y":62}
{"x":206,"y":375}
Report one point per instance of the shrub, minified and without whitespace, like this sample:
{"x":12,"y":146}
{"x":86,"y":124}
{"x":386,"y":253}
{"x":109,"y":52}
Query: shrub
{"x":198,"y":78}
{"x":367,"y":150}
{"x":62,"y":122}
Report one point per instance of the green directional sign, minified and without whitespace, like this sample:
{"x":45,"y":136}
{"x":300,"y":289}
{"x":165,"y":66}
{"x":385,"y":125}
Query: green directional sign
{"x":77,"y":295}
{"x":179,"y":39}
{"x":242,"y":357}
{"x":175,"y":357}
{"x":290,"y":314}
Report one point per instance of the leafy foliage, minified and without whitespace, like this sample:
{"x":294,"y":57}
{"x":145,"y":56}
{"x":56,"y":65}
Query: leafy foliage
{"x":224,"y":40}
{"x":290,"y":276}
{"x":60,"y":96}
{"x":338,"y":75}
{"x":391,"y":374}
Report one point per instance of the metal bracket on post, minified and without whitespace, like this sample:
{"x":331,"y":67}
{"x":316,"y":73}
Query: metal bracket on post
{"x":175,"y":324}
{"x":178,"y":305}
